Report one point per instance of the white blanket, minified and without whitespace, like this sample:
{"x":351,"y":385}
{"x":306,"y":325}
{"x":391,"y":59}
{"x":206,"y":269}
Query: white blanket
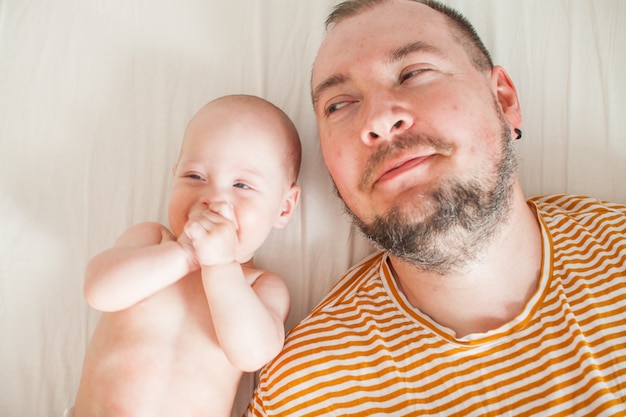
{"x":95,"y":95}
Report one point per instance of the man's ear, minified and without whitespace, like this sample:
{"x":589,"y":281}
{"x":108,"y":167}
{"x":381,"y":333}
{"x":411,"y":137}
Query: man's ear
{"x":506,"y":95}
{"x":289,"y":204}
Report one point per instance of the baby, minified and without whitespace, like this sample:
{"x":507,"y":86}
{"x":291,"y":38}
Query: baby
{"x":185,"y":311}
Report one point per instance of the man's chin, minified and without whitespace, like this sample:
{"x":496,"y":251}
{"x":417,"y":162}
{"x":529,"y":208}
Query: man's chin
{"x":407,"y":208}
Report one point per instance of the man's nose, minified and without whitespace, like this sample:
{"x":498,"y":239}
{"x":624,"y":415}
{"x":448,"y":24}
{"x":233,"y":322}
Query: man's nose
{"x":384,"y":118}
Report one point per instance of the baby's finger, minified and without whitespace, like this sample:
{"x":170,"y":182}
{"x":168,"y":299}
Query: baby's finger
{"x":194,"y":230}
{"x":225,"y":210}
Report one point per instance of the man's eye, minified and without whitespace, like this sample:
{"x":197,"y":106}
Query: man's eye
{"x":335,"y":106}
{"x":410,"y":74}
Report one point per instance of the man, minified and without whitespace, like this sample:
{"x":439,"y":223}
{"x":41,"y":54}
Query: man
{"x":481,"y":302}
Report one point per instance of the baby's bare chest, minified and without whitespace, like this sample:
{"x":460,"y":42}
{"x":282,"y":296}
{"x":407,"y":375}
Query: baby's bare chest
{"x":178,"y":317}
{"x":164,"y":346}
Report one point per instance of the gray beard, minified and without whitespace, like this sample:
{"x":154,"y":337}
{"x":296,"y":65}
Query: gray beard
{"x":465,"y":216}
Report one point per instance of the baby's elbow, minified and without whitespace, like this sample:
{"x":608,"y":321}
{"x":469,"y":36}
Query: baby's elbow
{"x":251,"y":363}
{"x":97,"y":293}
{"x":255,"y":357}
{"x":97,"y":301}
{"x":102,"y":299}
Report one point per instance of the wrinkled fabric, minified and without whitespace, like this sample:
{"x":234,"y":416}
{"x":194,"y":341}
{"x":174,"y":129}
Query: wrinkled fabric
{"x":95,"y":96}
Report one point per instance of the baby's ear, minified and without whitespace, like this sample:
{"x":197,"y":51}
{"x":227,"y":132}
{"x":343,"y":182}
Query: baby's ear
{"x":174,"y":168}
{"x":290,"y":201}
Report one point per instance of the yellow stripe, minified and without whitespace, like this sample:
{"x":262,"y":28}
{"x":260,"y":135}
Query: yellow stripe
{"x":397,"y":362}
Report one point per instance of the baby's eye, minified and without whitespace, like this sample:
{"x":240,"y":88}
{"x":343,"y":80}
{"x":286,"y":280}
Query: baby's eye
{"x":194,"y":176}
{"x":241,"y":185}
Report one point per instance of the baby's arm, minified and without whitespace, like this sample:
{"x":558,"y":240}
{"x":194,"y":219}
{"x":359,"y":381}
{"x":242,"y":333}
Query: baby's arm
{"x":248,"y":319}
{"x":145,"y":259}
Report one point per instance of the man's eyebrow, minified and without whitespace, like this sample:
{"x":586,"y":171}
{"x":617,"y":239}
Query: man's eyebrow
{"x":411,"y":48}
{"x":325,"y":85}
{"x":392,"y":57}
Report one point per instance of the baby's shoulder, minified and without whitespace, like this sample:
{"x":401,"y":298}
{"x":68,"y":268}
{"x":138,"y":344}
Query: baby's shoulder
{"x":253,"y":274}
{"x":258,"y":277}
{"x":270,"y":288}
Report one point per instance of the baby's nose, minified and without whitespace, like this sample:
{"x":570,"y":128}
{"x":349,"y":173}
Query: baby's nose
{"x":224,"y":209}
{"x":211,"y":194}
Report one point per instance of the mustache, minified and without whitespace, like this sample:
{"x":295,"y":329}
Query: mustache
{"x":391,"y":149}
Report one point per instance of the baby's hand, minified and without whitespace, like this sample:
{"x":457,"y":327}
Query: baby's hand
{"x":212,"y":231}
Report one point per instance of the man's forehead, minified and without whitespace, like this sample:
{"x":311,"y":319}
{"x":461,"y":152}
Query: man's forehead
{"x":390,"y":30}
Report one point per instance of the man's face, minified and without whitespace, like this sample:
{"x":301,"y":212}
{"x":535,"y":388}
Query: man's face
{"x":407,"y":123}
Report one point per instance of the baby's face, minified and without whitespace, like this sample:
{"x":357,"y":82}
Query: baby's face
{"x":237,"y":158}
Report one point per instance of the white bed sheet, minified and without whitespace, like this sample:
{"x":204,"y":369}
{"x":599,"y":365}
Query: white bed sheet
{"x":95,"y":95}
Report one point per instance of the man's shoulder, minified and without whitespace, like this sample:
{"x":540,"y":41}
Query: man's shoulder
{"x":359,"y":285}
{"x":353,"y":281}
{"x":569,"y":218}
{"x":575,"y":205}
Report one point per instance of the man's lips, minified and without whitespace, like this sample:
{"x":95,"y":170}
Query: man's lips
{"x":398,"y":167}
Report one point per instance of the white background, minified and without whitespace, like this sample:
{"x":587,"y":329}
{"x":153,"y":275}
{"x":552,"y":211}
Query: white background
{"x":95,"y":96}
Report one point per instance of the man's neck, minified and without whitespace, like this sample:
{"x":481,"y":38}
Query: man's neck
{"x":490,"y":291}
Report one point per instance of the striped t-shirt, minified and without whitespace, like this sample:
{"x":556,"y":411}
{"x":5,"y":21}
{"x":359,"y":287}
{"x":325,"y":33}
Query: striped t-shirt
{"x":364,"y":351}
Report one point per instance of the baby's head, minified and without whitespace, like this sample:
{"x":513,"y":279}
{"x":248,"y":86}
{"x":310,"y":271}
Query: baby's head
{"x":245,"y":117}
{"x":246,"y":152}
